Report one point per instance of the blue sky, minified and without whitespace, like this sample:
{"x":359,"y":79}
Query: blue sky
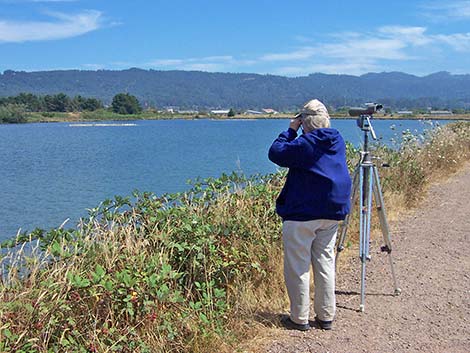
{"x":289,"y":38}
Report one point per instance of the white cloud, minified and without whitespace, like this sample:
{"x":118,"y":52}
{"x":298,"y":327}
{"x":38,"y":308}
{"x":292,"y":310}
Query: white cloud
{"x":388,"y":43}
{"x":93,"y":66}
{"x":221,"y":58}
{"x":373,"y":48}
{"x":408,"y":35}
{"x":385,"y":48}
{"x":449,"y":10}
{"x":63,"y":26}
{"x":166,"y":62}
{"x":459,"y":41}
{"x":356,"y":53}
{"x":300,"y":54}
{"x":208,"y":63}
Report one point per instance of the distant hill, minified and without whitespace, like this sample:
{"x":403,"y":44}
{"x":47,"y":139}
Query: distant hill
{"x":203,"y":90}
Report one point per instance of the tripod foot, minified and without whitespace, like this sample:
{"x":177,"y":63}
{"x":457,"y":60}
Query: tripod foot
{"x":361,"y":308}
{"x":397,"y":291}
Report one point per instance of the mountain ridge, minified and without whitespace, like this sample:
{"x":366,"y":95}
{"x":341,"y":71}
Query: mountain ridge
{"x":202,"y":90}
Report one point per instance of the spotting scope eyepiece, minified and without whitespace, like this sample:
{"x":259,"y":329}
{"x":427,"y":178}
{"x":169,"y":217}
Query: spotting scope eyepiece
{"x":370,"y":108}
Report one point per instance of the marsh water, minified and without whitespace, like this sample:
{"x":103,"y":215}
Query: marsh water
{"x":56,"y":171}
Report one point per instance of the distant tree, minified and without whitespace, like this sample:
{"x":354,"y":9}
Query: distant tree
{"x":30,"y":101}
{"x":80,"y":103}
{"x":231,"y":113}
{"x":76,"y":103}
{"x":92,"y":104}
{"x":246,"y":91}
{"x":57,"y":103}
{"x":124,"y":103}
{"x":12,"y":113}
{"x":48,"y":103}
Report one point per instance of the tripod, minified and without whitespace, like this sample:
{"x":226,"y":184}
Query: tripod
{"x":366,"y":179}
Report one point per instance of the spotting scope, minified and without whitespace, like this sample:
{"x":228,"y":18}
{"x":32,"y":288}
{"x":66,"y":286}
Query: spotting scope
{"x":370,"y":108}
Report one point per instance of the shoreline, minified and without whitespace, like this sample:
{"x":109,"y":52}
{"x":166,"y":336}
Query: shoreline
{"x":86,"y":118}
{"x":209,"y":266}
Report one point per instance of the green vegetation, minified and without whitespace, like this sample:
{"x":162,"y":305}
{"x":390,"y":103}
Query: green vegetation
{"x":12,"y":113}
{"x":124,"y":103}
{"x":187,"y":272}
{"x":51,"y":103}
{"x":27,"y":107}
{"x":197,"y":90}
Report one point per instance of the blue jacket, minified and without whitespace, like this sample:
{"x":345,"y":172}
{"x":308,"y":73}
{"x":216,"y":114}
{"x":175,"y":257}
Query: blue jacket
{"x":318,"y":184}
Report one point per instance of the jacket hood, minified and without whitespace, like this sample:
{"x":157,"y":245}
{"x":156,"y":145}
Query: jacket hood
{"x":324,"y":137}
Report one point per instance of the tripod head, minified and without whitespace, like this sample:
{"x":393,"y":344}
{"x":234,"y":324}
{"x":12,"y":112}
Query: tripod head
{"x":364,"y":117}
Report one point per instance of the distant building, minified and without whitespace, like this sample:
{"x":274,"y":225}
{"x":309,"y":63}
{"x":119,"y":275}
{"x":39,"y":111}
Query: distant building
{"x":404,"y":112}
{"x":253,"y":112}
{"x":269,"y":111}
{"x":220,"y":112}
{"x":188,"y":111}
{"x":440,"y":112}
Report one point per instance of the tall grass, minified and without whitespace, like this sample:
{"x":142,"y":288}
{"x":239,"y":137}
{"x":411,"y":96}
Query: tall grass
{"x":188,"y":272}
{"x":423,"y":159}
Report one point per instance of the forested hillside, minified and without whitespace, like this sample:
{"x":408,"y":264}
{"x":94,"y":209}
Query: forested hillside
{"x":202,"y":90}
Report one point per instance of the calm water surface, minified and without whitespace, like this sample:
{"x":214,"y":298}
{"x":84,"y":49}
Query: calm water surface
{"x":51,"y":172}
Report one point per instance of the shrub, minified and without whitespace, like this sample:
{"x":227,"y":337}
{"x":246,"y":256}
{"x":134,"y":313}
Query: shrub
{"x":124,"y":103}
{"x":157,"y":271}
{"x":177,"y":272}
{"x":12,"y":113}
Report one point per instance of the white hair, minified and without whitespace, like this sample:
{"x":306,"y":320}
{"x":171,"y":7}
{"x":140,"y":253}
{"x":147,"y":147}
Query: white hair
{"x":315,"y":115}
{"x":313,"y":122}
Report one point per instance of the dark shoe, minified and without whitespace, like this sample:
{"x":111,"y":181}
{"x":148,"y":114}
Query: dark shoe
{"x":324,"y":325}
{"x":291,"y":325}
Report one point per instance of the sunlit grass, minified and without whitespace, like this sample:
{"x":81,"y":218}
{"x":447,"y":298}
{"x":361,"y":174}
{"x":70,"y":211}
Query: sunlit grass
{"x":199,"y":271}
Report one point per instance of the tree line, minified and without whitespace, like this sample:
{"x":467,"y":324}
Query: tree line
{"x":52,"y":103}
{"x":194,"y":90}
{"x":14,"y":109}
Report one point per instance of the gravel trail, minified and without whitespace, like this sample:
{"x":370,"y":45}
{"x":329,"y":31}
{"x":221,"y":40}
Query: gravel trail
{"x":432,"y":262}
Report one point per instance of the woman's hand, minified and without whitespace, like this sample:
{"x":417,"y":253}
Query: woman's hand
{"x":295,"y":123}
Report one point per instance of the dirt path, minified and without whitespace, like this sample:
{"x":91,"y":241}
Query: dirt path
{"x":432,"y":258}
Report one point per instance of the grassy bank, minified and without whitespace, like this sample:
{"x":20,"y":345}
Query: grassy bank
{"x":106,"y":115}
{"x":199,"y":271}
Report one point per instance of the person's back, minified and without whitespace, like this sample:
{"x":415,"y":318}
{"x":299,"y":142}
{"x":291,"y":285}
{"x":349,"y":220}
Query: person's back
{"x":314,"y":198}
{"x":318,"y":182}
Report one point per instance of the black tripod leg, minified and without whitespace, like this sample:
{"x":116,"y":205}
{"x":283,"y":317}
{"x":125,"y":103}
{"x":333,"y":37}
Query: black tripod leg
{"x":384,"y":226}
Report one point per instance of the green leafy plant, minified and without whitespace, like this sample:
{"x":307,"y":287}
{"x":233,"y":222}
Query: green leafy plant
{"x":174,"y":272}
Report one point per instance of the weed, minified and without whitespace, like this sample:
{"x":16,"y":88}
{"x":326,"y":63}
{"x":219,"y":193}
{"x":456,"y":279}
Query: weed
{"x":185,"y":272}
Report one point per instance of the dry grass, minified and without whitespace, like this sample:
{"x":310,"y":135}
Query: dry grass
{"x":196,"y":272}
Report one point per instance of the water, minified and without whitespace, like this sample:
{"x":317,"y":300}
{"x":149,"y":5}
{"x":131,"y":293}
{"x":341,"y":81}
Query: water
{"x":51,"y":172}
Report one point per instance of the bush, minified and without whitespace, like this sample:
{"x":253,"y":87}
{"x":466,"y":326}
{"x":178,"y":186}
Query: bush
{"x":12,"y":113}
{"x":176,"y":272}
{"x":424,"y":158}
{"x":124,"y":103}
{"x":154,"y":272}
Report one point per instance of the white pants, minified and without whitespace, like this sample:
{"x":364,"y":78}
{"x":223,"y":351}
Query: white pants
{"x":305,"y":243}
